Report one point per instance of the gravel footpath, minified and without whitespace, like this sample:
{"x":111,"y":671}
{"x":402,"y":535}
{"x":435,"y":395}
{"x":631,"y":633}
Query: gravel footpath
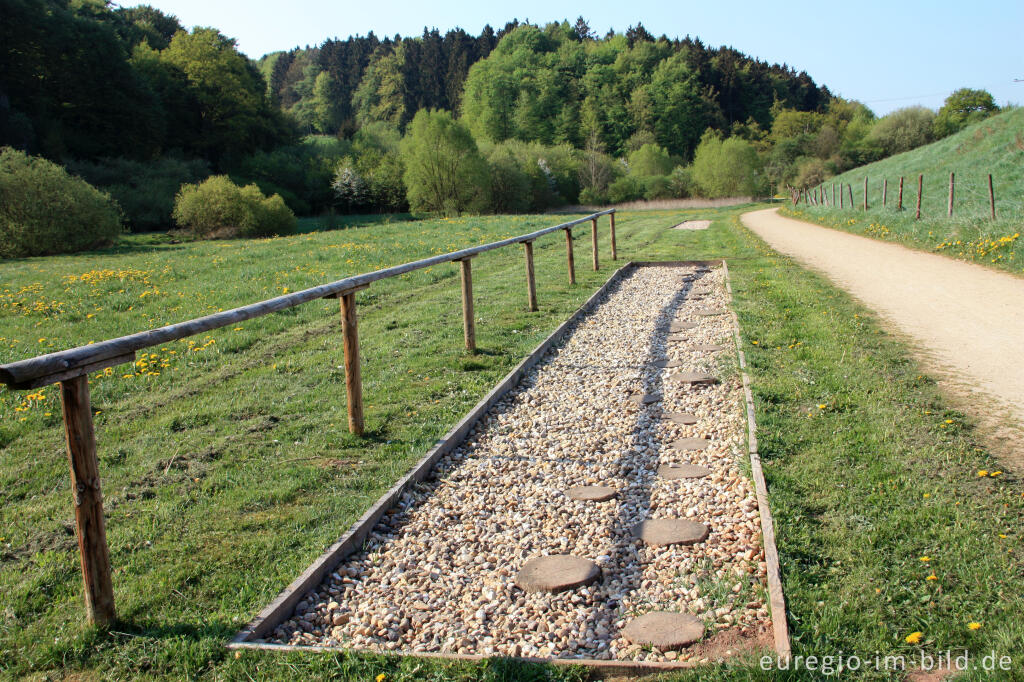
{"x":437,"y":574}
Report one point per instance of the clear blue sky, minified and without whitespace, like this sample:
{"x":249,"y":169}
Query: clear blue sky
{"x":885,"y":53}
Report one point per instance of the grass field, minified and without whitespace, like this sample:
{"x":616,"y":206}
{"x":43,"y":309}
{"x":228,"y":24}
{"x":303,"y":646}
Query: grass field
{"x":993,"y":146}
{"x":227,"y":466}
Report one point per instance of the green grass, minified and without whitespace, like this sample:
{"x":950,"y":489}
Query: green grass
{"x":994,"y":146}
{"x":227,"y":474}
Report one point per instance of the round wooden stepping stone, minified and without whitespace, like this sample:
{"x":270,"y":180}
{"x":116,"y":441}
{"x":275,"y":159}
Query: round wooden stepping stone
{"x":682,"y":326}
{"x":710,"y":347}
{"x":644,"y":398}
{"x":690,"y":444}
{"x":662,"y":364}
{"x":661,"y":532}
{"x":556,"y":573}
{"x":592,"y":493}
{"x":675,"y":472}
{"x":664,"y":630}
{"x":693,"y":378}
{"x":681,"y":418}
{"x":709,"y":313}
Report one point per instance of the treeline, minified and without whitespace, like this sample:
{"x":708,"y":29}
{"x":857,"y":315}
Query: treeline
{"x":136,"y":105}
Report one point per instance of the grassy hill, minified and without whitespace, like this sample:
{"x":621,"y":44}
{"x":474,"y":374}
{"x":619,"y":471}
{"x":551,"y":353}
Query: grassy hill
{"x":994,"y":146}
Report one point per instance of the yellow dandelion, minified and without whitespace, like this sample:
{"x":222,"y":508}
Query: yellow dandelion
{"x":974,"y":626}
{"x":982,"y":472}
{"x":380,"y":678}
{"x":913,"y":637}
{"x":821,"y":406}
{"x":927,"y":494}
{"x":932,"y":577}
{"x":996,"y":473}
{"x":926,"y":558}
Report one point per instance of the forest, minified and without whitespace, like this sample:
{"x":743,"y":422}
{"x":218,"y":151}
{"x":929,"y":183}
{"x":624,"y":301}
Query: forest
{"x":523,"y":118}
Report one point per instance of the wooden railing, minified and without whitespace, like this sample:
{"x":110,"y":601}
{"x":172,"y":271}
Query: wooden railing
{"x":70,"y":368}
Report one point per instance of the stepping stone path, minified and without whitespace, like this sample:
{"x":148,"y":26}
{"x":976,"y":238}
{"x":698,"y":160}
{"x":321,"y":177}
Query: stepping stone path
{"x":681,"y":418}
{"x":675,"y":472}
{"x":682,"y":326}
{"x":709,"y":347}
{"x":709,"y":313}
{"x":661,"y":532}
{"x":678,"y":337}
{"x":693,"y":378}
{"x":556,"y":573}
{"x":591,"y":493}
{"x":690,"y":444}
{"x":543,"y":514}
{"x":664,"y":630}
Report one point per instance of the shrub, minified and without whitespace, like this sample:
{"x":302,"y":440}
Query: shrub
{"x":591,"y":196}
{"x":658,"y":187}
{"x":444,"y":171}
{"x":961,"y":108}
{"x":626,"y":188}
{"x":725,"y":168}
{"x":219,"y":208}
{"x":650,"y":159}
{"x":510,"y":190}
{"x":903,"y":130}
{"x":682,"y":183}
{"x":44,"y":210}
{"x":145,"y":190}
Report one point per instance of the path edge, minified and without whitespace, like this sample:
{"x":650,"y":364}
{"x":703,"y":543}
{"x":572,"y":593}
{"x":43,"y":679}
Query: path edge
{"x":776,"y":598}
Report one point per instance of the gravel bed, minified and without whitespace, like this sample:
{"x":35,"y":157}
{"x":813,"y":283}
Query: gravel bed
{"x":437,"y":573}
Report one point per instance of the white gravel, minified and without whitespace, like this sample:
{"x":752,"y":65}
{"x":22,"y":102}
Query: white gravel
{"x":436,"y":575}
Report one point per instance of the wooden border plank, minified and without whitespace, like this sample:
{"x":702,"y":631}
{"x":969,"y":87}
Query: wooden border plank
{"x":776,"y":598}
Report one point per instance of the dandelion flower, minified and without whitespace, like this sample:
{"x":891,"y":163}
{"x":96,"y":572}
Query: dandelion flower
{"x":996,"y":473}
{"x":974,"y":626}
{"x":821,"y":406}
{"x":932,"y":577}
{"x":982,"y":472}
{"x":926,"y":558}
{"x":380,"y":678}
{"x":913,"y":637}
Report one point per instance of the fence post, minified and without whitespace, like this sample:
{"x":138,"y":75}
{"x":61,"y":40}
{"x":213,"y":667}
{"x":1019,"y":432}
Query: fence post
{"x":615,"y":252}
{"x":468,"y":322}
{"x":568,"y":255}
{"x":531,"y":285}
{"x":899,"y":202}
{"x":834,"y":195}
{"x":85,"y":487}
{"x":991,"y":197}
{"x":865,"y":192}
{"x":849,"y":188}
{"x":842,"y":198}
{"x":949,"y":210}
{"x":920,"y":186}
{"x":353,"y":375}
{"x":885,"y":191}
{"x":593,"y":240}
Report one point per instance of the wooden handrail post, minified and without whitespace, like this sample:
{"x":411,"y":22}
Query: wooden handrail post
{"x":353,"y":374}
{"x":593,"y":240}
{"x":614,"y":251}
{"x":991,"y":197}
{"x":531,"y":284}
{"x":468,"y":323}
{"x":899,"y":202}
{"x":949,"y":211}
{"x":85,"y":486}
{"x":568,"y":255}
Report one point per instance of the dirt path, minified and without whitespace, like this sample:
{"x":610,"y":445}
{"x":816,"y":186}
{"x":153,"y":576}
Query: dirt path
{"x":968,"y":321}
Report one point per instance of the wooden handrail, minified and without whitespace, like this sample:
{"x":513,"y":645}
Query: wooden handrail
{"x":53,"y":367}
{"x":70,"y":367}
